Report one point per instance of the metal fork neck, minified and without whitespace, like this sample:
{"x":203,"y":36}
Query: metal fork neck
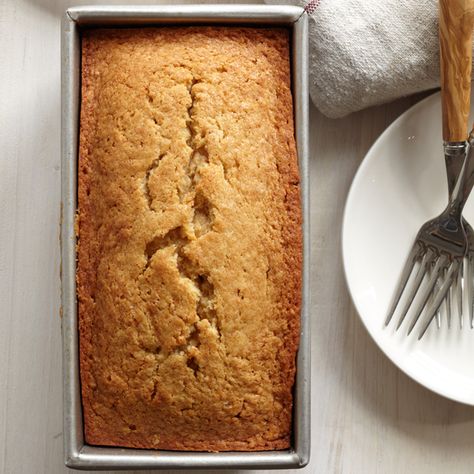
{"x":465,"y":182}
{"x":454,"y":155}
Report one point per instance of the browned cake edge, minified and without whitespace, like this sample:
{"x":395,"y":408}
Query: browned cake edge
{"x":292,"y":242}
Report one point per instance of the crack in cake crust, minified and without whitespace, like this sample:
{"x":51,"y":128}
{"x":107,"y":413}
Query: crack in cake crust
{"x":149,"y":172}
{"x":201,"y":223}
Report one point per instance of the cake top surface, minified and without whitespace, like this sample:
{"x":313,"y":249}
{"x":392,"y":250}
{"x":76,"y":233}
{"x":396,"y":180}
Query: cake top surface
{"x":189,"y":260}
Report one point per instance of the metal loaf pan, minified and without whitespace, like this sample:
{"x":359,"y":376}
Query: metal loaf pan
{"x":78,"y":454}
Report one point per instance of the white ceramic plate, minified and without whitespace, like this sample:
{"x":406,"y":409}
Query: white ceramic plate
{"x":400,"y":185}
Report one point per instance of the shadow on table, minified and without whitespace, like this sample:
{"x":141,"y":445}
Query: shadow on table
{"x":412,"y":402}
{"x":375,"y":383}
{"x":379,"y":385}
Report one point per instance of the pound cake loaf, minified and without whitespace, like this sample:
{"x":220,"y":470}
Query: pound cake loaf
{"x":189,"y":238}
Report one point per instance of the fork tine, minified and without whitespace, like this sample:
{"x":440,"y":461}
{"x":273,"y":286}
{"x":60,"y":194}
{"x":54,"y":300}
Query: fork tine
{"x":440,"y":264}
{"x":430,"y":299}
{"x":438,"y":312}
{"x":428,"y":258}
{"x":448,"y":299}
{"x":468,"y":285}
{"x":443,"y":307}
{"x":458,"y":291}
{"x":408,"y":268}
{"x":445,"y":288}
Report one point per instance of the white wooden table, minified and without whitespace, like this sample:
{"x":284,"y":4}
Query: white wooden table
{"x":367,"y":416}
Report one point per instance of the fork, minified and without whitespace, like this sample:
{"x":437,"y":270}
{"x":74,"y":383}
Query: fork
{"x":446,"y":234}
{"x":454,"y":158}
{"x":456,"y":19}
{"x":441,"y":243}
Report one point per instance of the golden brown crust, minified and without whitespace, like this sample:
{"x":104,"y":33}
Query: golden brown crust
{"x":189,"y":255}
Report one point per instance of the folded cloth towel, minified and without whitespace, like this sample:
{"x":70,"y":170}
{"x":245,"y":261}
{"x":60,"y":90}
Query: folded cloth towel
{"x":366,"y":52}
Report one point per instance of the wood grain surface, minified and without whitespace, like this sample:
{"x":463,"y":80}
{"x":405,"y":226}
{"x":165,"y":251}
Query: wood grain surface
{"x":367,"y":416}
{"x":456,"y":20}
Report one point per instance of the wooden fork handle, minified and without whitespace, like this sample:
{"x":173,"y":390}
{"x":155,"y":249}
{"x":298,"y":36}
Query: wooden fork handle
{"x":456,"y":22}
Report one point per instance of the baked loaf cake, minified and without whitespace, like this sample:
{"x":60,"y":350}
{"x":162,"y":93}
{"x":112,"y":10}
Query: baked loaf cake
{"x":189,"y":238}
